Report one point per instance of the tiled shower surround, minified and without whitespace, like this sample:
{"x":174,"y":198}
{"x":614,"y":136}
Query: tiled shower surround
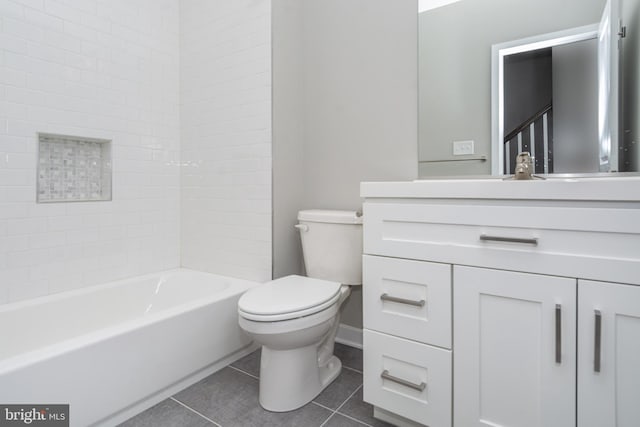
{"x":225,"y":137}
{"x":112,"y":69}
{"x":107,"y":70}
{"x":73,"y":169}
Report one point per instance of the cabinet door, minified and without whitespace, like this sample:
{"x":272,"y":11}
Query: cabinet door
{"x":608,"y":354}
{"x":514,"y":349}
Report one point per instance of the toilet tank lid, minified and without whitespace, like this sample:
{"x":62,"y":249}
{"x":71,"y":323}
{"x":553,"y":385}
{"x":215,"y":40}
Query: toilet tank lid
{"x":330,"y":216}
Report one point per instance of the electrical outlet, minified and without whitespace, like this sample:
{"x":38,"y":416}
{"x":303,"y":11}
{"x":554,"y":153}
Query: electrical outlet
{"x":462,"y":148}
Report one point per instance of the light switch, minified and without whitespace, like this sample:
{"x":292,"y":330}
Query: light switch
{"x":462,"y":148}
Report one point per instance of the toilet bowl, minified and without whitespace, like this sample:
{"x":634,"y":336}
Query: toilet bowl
{"x":296,"y":318}
{"x":297,"y":360}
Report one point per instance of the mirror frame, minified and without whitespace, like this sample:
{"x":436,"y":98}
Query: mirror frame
{"x":498,"y":53}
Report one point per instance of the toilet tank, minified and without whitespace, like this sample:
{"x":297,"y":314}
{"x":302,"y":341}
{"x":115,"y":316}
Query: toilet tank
{"x":332,"y":245}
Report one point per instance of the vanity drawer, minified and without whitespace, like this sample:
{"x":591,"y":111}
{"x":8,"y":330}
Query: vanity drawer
{"x":573,"y":241}
{"x":409,"y":299}
{"x":407,"y":378}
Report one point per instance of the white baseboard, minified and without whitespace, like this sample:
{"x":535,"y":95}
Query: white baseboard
{"x":348,"y":335}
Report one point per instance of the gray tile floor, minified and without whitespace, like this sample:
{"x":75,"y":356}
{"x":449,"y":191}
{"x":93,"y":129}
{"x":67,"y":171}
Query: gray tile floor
{"x":229,"y":398}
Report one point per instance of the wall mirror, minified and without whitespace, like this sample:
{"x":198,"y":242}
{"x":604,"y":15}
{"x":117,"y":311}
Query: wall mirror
{"x":544,"y":100}
{"x":528,"y":71}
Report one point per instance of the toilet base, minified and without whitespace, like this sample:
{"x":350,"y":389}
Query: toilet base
{"x":290,"y":379}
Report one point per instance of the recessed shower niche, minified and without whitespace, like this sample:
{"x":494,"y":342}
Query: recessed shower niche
{"x":73,"y":168}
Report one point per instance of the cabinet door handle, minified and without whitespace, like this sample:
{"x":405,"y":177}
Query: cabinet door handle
{"x":386,"y":297}
{"x":558,"y":333}
{"x":531,"y":241}
{"x":420,"y":387}
{"x":597,"y":341}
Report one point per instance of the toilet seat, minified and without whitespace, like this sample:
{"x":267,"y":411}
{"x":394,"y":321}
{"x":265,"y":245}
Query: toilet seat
{"x":288,"y":298}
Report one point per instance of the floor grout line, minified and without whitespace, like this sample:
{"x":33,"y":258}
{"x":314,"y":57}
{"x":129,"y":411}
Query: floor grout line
{"x":343,"y":403}
{"x":352,"y":369}
{"x":195,"y":412}
{"x":352,"y":418}
{"x":244,"y":372}
{"x":322,"y":406}
{"x":328,"y":418}
{"x":350,"y":396}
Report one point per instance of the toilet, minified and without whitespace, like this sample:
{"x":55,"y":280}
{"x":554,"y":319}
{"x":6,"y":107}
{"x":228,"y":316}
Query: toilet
{"x":295,"y":318}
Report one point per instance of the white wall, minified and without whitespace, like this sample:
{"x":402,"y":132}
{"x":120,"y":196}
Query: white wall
{"x":225,"y":88}
{"x":360,"y":88}
{"x":96,"y":68}
{"x":289,"y":161}
{"x":354,"y":89}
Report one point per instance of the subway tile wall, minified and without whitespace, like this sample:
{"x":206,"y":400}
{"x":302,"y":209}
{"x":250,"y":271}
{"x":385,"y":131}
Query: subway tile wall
{"x":104,"y":69}
{"x":225,"y":72}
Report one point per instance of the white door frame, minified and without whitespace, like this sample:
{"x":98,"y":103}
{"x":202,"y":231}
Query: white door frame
{"x":498,"y":53}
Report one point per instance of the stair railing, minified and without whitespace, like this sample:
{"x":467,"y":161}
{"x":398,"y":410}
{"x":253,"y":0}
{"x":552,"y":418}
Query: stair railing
{"x":515,"y":136}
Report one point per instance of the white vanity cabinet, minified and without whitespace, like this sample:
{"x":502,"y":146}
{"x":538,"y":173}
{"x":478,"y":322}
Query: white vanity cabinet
{"x":608,"y":354}
{"x":519,"y":300}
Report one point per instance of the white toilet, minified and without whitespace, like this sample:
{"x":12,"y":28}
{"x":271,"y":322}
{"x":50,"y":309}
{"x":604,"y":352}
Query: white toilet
{"x":296,"y":318}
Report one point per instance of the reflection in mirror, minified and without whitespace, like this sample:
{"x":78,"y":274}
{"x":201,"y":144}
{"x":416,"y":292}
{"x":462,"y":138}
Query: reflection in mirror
{"x":455,"y":82}
{"x":545,"y":102}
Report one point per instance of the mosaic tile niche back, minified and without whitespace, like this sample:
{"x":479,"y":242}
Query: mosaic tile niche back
{"x":72,"y":169}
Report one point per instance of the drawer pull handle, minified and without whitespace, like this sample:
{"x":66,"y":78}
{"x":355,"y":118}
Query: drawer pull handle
{"x":558,"y":333}
{"x":597,"y":350}
{"x":420,"y":387}
{"x":386,"y":297}
{"x":531,"y":241}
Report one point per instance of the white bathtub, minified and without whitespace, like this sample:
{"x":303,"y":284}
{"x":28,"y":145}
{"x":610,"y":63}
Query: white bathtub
{"x":112,"y":350}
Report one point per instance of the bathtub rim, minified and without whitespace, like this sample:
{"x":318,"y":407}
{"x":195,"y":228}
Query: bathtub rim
{"x":27,"y":358}
{"x":111,"y":284}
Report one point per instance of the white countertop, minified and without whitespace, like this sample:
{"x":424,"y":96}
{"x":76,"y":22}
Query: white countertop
{"x":609,"y":188}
